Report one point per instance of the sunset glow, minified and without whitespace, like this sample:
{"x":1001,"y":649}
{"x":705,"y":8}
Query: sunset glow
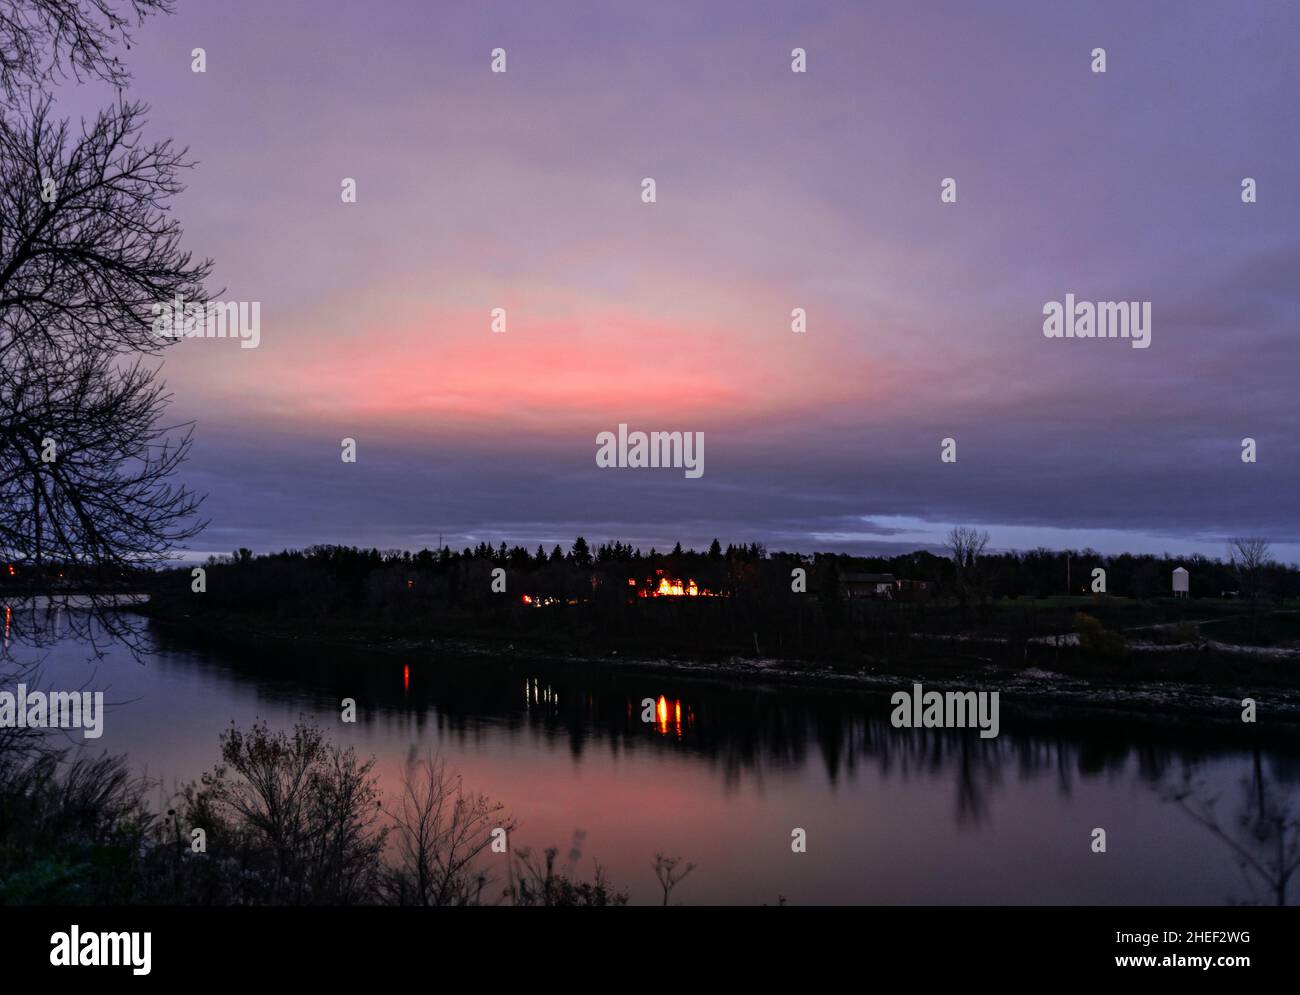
{"x":923,"y":320}
{"x":909,"y":388}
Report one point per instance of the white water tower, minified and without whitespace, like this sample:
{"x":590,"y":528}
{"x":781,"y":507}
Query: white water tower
{"x":1180,"y":582}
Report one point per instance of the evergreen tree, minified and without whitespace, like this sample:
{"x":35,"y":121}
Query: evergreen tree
{"x":580,"y":554}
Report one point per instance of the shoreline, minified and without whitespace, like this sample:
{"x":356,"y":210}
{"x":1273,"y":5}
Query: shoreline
{"x":1031,"y":692}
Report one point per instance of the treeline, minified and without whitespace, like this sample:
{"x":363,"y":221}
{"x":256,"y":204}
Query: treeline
{"x":345,"y":578}
{"x":1042,"y":573}
{"x":393,"y":586}
{"x":751,"y":602}
{"x":19,"y":576}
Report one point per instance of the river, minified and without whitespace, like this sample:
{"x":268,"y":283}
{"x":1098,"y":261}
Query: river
{"x":726,"y":772}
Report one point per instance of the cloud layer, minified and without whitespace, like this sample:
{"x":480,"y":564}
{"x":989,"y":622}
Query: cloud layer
{"x":775,"y":190}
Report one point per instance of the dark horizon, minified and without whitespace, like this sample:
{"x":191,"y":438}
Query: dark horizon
{"x":938,"y":550}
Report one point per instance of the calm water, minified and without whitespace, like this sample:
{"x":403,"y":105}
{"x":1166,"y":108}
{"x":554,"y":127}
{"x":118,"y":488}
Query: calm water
{"x":727,"y":771}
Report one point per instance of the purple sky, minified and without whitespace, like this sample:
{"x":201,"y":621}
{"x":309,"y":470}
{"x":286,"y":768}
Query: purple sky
{"x":775,"y":190}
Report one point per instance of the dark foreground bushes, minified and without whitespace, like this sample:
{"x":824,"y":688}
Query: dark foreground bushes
{"x":283,"y":819}
{"x":71,"y":833}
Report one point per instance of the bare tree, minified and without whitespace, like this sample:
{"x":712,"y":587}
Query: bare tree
{"x":301,"y":808}
{"x":41,"y":40}
{"x":440,"y":833}
{"x":1249,"y":556}
{"x":966,"y":546}
{"x":88,"y":249}
{"x":85,"y":474}
{"x":668,"y":874}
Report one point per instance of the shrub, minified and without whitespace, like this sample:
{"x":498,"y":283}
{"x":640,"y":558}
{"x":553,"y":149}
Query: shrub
{"x":1096,"y":640}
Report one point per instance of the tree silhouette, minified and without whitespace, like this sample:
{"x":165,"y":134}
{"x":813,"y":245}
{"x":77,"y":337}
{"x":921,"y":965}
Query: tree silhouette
{"x":1249,"y":556}
{"x":88,"y":251}
{"x":580,"y":554}
{"x":41,"y":40}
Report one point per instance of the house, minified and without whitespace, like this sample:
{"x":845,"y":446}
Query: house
{"x":858,"y":585}
{"x":911,"y":590}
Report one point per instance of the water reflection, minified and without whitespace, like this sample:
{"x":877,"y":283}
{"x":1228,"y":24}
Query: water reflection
{"x":719,"y":771}
{"x":742,"y":730}
{"x":1262,"y":833}
{"x":668,"y":716}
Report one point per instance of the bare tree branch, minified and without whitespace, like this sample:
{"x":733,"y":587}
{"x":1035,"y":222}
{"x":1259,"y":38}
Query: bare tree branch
{"x":42,"y":41}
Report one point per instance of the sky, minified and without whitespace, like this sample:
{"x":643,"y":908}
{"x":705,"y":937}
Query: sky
{"x":775,"y":190}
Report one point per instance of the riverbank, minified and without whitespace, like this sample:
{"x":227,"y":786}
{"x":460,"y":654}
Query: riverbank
{"x":1032,"y":691}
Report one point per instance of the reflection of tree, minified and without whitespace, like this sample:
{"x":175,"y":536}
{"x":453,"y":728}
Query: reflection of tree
{"x":746,"y":734}
{"x":979,"y":770}
{"x":1264,"y":836}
